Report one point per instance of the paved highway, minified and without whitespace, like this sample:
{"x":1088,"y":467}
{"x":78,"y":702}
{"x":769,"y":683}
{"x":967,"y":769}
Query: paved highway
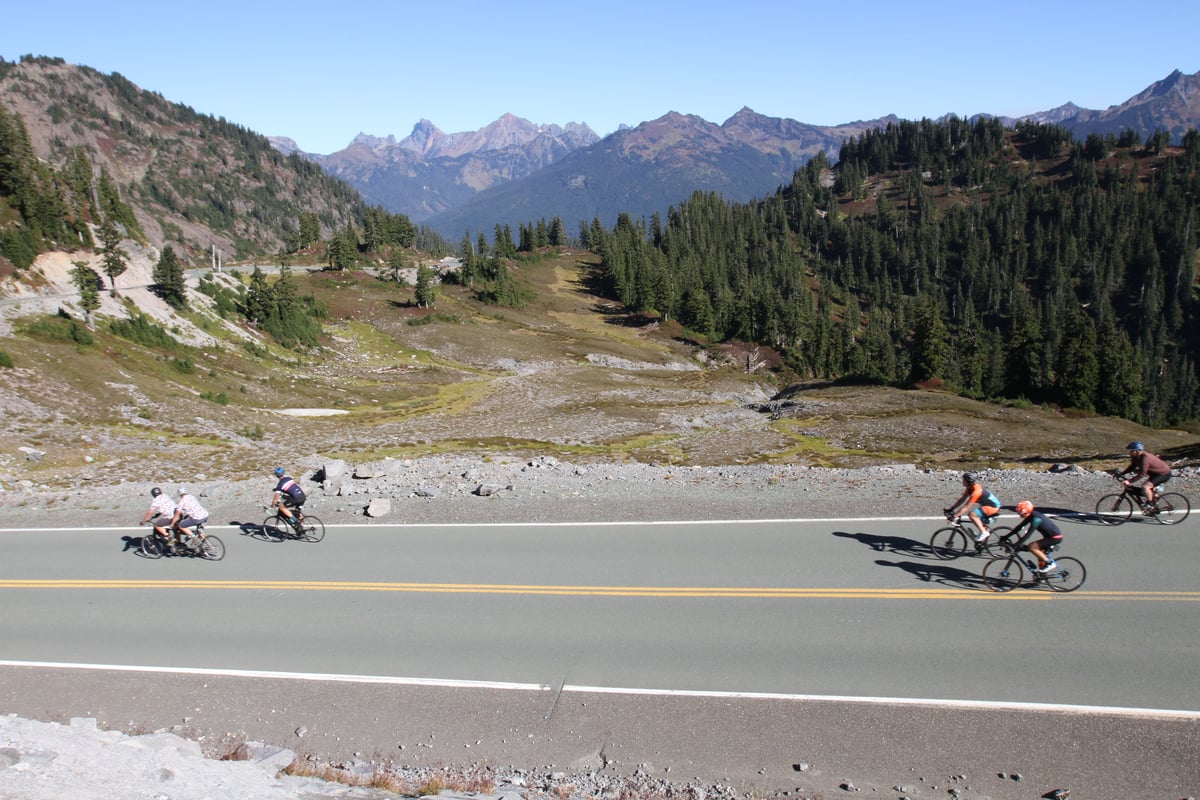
{"x":774,"y":657}
{"x":836,"y":608}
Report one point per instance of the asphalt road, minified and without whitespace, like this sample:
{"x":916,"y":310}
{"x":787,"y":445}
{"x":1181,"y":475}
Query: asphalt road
{"x":508,"y":630}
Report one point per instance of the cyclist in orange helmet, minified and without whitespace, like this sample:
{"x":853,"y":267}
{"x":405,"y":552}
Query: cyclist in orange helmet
{"x":1036,"y":522}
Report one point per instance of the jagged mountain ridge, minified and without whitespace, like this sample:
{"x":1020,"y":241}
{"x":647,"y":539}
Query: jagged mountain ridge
{"x":429,"y":171}
{"x":645,"y":169}
{"x":1172,"y":104}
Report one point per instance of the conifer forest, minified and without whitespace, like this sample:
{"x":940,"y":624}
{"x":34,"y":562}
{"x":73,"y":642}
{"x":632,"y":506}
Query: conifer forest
{"x":1012,"y":264}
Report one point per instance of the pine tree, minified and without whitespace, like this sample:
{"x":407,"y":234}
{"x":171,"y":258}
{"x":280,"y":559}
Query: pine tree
{"x":169,"y":279}
{"x":930,"y":346}
{"x":426,"y":292}
{"x":84,"y":279}
{"x":111,"y":255}
{"x":259,"y":300}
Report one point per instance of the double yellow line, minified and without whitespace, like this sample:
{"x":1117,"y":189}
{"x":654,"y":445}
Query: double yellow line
{"x":738,"y":592}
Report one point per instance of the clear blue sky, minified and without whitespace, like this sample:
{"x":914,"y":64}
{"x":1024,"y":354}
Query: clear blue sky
{"x":323,"y":72}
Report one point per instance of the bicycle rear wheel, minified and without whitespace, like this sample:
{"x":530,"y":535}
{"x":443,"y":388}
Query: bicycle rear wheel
{"x":152,"y":545}
{"x":992,"y":548}
{"x":314,"y":529}
{"x":212,"y":548}
{"x":1171,"y":508}
{"x":948,"y":543}
{"x":1069,"y":576}
{"x":275,"y":528}
{"x":1003,"y":574}
{"x":1114,"y":509}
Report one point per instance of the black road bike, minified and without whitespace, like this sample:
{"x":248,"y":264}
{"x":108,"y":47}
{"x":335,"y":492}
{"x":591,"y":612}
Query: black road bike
{"x":1007,"y":572}
{"x":199,"y":545}
{"x":1167,"y":508}
{"x":278,"y":527}
{"x":959,"y":539}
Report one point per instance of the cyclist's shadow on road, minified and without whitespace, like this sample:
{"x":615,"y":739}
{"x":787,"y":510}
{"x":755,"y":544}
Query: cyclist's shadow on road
{"x":891,"y":544}
{"x":930,"y":570}
{"x":943,"y":573}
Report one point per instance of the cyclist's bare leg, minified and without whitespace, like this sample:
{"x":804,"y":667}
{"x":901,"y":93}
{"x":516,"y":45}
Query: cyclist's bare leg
{"x":977,"y":519}
{"x":1037,"y":551}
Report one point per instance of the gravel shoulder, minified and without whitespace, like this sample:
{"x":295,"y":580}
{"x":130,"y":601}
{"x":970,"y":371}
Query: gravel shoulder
{"x":467,"y":490}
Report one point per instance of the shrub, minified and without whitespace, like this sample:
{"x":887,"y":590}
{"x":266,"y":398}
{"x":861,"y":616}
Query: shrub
{"x":141,"y":330}
{"x":255,"y":433}
{"x":5,"y":360}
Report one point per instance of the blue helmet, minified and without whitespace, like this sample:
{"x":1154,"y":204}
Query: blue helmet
{"x":279,"y":472}
{"x":1138,"y":446}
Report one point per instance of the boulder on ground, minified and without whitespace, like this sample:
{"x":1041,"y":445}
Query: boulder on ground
{"x":379,"y":507}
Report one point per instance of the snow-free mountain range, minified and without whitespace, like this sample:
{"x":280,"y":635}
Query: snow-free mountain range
{"x":514,"y":171}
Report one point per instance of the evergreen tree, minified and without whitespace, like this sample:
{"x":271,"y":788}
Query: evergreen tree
{"x":1079,"y":364}
{"x":85,"y":279}
{"x":260,"y":302}
{"x":309,"y":229}
{"x":112,"y":257}
{"x":930,"y":346}
{"x":426,"y":292}
{"x":558,"y":233}
{"x":169,"y":279}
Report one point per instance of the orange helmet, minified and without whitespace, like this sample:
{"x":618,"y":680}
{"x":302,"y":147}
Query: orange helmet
{"x":1024,"y":508}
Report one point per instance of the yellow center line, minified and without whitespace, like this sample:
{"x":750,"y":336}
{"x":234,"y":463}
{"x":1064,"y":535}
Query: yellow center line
{"x":591,"y":591}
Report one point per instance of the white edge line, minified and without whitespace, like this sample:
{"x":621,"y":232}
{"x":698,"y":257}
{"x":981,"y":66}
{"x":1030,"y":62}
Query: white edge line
{"x":615,"y":523}
{"x":297,"y":676}
{"x":996,"y":705}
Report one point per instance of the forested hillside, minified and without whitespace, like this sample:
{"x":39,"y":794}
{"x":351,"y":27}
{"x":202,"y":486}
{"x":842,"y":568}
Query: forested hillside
{"x":1002,"y":263}
{"x":78,"y":147}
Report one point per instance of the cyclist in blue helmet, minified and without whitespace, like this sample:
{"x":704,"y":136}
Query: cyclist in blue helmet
{"x":1151,"y":471}
{"x":288,"y":496}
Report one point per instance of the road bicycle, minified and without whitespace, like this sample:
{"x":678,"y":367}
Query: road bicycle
{"x":1167,"y":508}
{"x":1007,"y":572}
{"x":277,"y":527}
{"x":959,"y":539}
{"x":199,"y":545}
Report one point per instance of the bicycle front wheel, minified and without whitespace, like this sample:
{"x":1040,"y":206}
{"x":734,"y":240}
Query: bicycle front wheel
{"x":1003,"y":574}
{"x":314,"y":529}
{"x":1114,"y":509}
{"x":1171,"y":508}
{"x":152,"y":545}
{"x":212,"y":548}
{"x":948,"y":543}
{"x":1069,"y":576}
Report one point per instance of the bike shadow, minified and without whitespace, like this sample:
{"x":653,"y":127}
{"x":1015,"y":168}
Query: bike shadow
{"x":941,"y":572}
{"x":133,"y":543}
{"x":891,"y":544}
{"x":256,"y":530}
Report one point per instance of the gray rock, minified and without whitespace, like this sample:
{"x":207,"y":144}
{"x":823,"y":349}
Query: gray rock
{"x":379,"y":507}
{"x":370,"y":470}
{"x":332,"y":470}
{"x":9,"y":756}
{"x":427,"y":491}
{"x":487,"y":489}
